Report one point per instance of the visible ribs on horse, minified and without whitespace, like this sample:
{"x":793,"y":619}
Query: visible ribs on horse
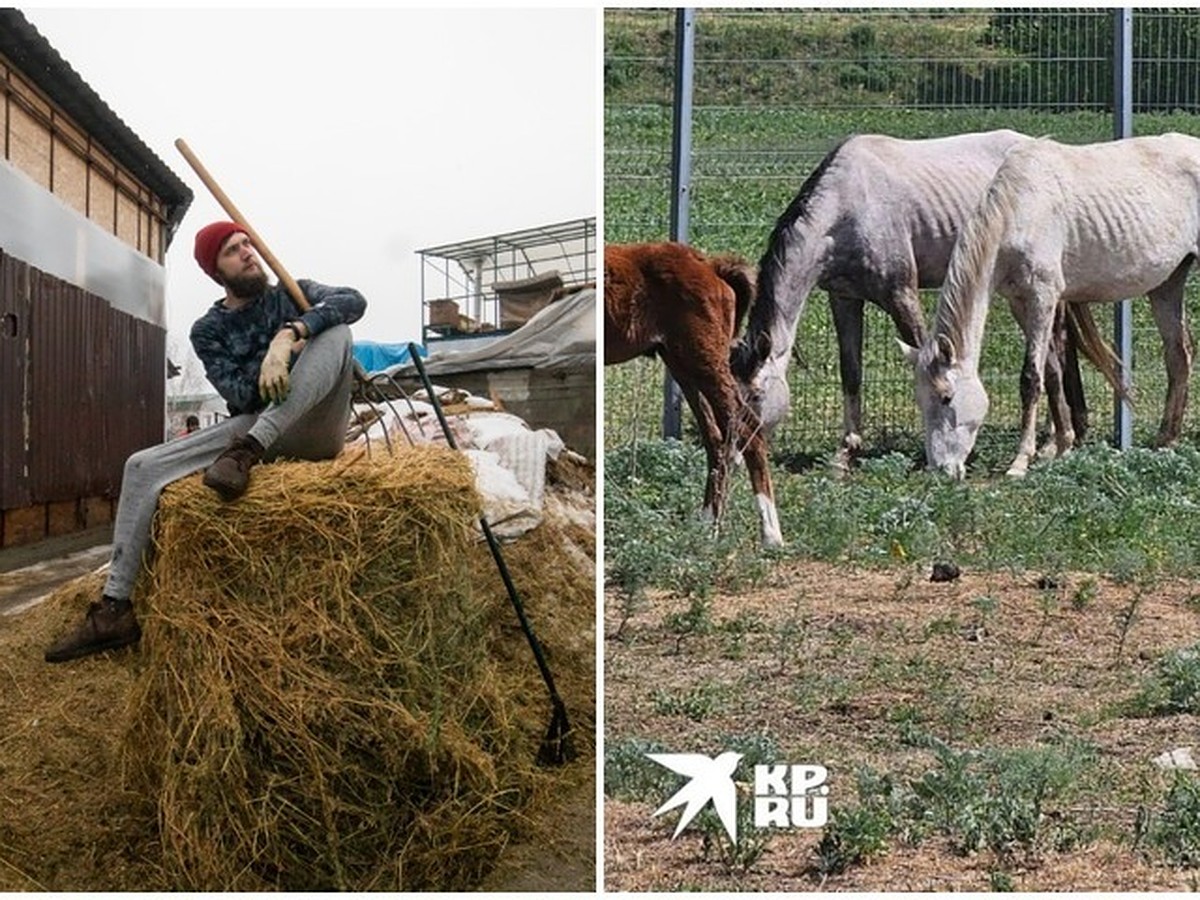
{"x":1062,"y":224}
{"x":875,"y":222}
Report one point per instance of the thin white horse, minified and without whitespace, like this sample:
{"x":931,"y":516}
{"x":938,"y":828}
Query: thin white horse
{"x":1061,"y":224}
{"x":875,"y":221}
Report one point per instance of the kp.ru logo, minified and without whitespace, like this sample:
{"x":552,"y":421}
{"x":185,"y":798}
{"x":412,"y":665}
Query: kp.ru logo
{"x":785,"y":796}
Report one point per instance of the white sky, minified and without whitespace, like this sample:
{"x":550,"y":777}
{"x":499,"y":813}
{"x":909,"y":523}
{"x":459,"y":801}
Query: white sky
{"x":350,"y":139}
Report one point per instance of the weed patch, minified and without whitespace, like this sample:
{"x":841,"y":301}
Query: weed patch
{"x":1173,"y":687}
{"x":989,"y":799}
{"x":629,"y":775}
{"x":1175,"y":832}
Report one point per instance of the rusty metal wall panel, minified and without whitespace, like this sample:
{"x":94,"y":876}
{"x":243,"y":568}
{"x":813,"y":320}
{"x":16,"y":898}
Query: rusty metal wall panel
{"x":14,"y":357}
{"x":96,"y":391}
{"x":55,"y":373}
{"x":135,"y":398}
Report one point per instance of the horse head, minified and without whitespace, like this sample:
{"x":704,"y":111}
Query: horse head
{"x":952,"y":401}
{"x":768,"y":392}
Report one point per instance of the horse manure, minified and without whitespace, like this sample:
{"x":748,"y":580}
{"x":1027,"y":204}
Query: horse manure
{"x":944,"y":571}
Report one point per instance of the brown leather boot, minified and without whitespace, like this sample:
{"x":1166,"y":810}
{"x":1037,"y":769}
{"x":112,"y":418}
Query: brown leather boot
{"x":229,"y":475}
{"x":109,"y":624}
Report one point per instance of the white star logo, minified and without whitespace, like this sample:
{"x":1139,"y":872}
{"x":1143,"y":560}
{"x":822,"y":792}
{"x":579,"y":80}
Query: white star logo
{"x":711,"y":779}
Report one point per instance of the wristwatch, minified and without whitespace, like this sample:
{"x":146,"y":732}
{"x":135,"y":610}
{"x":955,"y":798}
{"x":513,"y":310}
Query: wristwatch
{"x":295,"y":330}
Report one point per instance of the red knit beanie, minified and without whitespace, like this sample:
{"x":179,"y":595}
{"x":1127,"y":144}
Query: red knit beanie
{"x":209,"y":241}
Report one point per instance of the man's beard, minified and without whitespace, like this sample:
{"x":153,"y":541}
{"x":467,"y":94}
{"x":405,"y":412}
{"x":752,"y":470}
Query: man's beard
{"x":247,"y":287}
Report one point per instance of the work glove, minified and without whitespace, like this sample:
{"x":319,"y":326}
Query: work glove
{"x":273,"y":376}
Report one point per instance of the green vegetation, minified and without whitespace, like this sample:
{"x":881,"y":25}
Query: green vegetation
{"x":629,"y":775}
{"x":1174,"y":686}
{"x":1013,"y":772}
{"x":696,"y":703}
{"x":987,"y":799}
{"x":915,"y":57}
{"x":777,"y":89}
{"x":1175,"y":831}
{"x":1127,"y":515}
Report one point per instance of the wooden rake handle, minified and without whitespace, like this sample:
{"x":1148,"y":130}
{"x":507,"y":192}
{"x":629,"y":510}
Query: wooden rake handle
{"x":235,"y":215}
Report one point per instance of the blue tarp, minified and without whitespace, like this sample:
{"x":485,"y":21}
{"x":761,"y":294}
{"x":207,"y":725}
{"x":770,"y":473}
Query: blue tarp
{"x":375,"y":357}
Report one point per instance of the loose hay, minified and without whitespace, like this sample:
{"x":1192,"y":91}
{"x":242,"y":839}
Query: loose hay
{"x":336,"y":692}
{"x":64,"y":822}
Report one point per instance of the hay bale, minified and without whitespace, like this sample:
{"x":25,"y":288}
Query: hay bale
{"x":334,"y":693}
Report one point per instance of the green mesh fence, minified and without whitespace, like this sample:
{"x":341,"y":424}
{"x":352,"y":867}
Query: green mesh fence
{"x":776,"y":89}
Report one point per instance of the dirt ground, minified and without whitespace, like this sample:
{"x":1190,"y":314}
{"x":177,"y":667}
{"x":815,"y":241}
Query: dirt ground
{"x":833,"y":661}
{"x":564,"y":859}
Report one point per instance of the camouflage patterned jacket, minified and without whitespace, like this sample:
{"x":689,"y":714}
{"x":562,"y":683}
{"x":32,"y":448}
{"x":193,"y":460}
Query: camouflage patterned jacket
{"x":232,"y":344}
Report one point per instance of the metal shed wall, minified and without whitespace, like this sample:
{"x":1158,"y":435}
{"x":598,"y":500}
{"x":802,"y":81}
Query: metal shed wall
{"x":81,"y":387}
{"x":87,"y":211}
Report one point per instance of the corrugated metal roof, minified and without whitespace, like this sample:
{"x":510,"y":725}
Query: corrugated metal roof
{"x":29,"y":51}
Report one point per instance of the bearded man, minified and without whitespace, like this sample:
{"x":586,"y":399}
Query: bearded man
{"x":286,"y":376}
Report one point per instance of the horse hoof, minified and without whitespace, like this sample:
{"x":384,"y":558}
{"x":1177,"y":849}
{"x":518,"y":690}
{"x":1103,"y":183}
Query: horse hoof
{"x":1017,"y":471}
{"x":772,"y":538}
{"x":840,"y":463}
{"x":769,"y":532}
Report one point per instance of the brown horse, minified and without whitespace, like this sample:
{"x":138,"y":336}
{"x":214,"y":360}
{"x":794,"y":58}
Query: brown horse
{"x":671,"y":301}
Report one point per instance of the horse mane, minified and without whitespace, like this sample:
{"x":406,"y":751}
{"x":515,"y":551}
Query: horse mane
{"x":749,"y":353}
{"x":969,"y":277}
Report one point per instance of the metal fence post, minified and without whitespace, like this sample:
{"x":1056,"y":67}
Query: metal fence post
{"x":1123,"y":128}
{"x":681,"y":179}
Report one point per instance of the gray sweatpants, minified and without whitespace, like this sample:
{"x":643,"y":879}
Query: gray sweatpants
{"x":310,"y":424}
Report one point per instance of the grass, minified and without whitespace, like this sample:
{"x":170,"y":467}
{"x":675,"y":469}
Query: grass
{"x":1073,"y":528}
{"x":1174,"y":686}
{"x":950,"y":751}
{"x":993,"y":799}
{"x":1175,"y":831}
{"x":1127,"y":515}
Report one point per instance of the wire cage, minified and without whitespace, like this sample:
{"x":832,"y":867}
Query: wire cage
{"x":492,"y":285}
{"x":776,"y":89}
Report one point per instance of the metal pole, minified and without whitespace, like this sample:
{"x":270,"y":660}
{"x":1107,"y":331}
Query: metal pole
{"x":681,"y":178}
{"x":1123,"y":128}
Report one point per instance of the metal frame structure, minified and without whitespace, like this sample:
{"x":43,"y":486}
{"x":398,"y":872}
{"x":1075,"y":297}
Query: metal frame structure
{"x":466,"y":272}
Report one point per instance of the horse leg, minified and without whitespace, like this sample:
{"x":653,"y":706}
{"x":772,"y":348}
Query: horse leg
{"x":713,"y":441}
{"x":724,"y":416}
{"x":1035,"y":313}
{"x":1072,"y":378}
{"x":1056,"y":385}
{"x":848,"y":324}
{"x":739,"y":419}
{"x":1166,"y":302}
{"x":904,"y":306}
{"x":754,"y":450}
{"x":1063,"y":438}
{"x":905,"y":309}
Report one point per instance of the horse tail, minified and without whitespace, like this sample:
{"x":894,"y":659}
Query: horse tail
{"x":749,"y":353}
{"x":741,"y":276}
{"x":1081,"y":328}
